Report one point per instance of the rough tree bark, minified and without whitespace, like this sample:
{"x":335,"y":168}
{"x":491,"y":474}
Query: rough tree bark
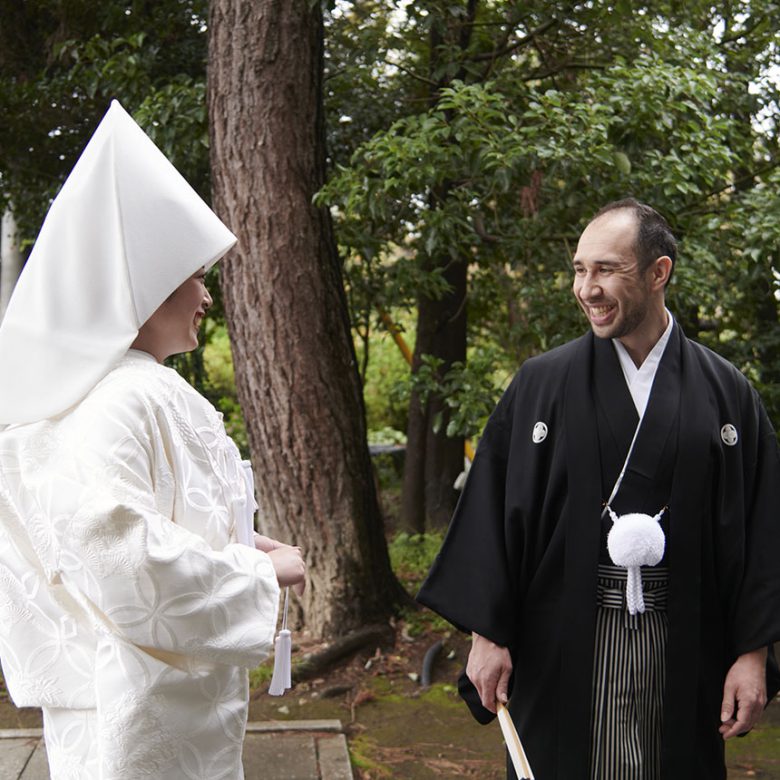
{"x":296,"y":372}
{"x":10,"y":258}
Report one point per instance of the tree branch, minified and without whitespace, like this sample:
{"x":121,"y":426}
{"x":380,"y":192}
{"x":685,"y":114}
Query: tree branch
{"x":566,"y":66}
{"x":690,"y":207}
{"x":316,"y":663}
{"x":478,"y":223}
{"x":417,"y":76}
{"x":508,"y":48}
{"x":743,"y":33}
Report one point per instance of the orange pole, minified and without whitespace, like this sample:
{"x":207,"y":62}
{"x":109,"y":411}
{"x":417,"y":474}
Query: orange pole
{"x":396,"y":334}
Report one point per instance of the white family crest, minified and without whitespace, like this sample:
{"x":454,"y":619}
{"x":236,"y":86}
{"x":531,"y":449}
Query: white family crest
{"x":540,"y":433}
{"x":729,"y":435}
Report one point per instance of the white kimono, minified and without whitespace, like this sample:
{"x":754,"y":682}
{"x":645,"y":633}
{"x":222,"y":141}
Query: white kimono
{"x":128,"y":610}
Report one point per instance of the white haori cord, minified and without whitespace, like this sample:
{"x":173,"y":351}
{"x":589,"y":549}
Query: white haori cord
{"x":282,"y":676}
{"x":635,"y":540}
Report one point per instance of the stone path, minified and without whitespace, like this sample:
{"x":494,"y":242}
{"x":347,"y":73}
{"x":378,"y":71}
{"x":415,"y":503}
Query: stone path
{"x":278,"y":750}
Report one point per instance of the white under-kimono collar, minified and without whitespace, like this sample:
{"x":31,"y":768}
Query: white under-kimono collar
{"x":124,"y":232}
{"x":139,"y":354}
{"x":640,"y":380}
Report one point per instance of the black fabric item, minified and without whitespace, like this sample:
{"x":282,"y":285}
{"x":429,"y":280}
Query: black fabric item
{"x":469,"y":694}
{"x":519,"y":563}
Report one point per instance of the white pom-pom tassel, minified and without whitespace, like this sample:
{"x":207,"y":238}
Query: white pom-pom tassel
{"x":635,"y":540}
{"x":282,"y":676}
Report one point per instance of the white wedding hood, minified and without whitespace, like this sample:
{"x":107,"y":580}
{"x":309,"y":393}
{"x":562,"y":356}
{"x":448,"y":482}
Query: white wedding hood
{"x":123,"y":233}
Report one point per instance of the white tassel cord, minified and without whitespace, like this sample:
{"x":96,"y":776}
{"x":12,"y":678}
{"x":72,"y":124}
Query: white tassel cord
{"x":635,"y":540}
{"x":635,"y":598}
{"x":282,"y":676}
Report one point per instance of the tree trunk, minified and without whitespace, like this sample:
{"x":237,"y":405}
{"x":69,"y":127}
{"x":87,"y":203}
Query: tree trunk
{"x":295,"y":365}
{"x":433,"y":459}
{"x":10,"y":259}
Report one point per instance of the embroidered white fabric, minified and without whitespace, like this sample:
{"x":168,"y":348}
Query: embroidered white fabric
{"x":123,"y":588}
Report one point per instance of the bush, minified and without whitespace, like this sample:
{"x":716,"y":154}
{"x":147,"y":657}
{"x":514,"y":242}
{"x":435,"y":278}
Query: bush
{"x":411,"y":556}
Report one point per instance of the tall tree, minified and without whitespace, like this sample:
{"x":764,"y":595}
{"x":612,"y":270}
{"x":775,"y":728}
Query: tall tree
{"x":434,"y":459}
{"x":296,"y":370}
{"x":543,"y":111}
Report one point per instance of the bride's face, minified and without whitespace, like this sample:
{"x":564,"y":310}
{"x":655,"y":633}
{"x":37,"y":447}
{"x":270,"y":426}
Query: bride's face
{"x":174,"y":327}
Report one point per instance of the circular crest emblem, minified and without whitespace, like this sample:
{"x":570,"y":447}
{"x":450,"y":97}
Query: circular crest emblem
{"x":729,"y":435}
{"x":540,"y":433}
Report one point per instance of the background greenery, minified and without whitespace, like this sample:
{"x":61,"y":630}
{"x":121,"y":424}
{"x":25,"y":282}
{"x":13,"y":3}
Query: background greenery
{"x":479,"y":132}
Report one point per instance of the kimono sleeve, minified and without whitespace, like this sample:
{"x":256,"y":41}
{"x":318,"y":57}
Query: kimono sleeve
{"x":140,"y":575}
{"x":757,"y":612}
{"x":469,"y":583}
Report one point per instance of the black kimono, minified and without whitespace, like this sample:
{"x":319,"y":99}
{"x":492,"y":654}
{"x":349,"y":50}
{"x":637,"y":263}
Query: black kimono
{"x":519,"y":564}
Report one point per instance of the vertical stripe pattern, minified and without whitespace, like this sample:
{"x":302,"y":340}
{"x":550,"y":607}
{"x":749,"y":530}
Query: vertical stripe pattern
{"x":629,"y":671}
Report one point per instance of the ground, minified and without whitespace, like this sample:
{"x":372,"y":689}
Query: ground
{"x":397,"y":729}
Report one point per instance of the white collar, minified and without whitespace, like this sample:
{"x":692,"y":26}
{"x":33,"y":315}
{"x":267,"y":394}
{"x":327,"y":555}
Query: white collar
{"x":139,"y":354}
{"x":640,"y":380}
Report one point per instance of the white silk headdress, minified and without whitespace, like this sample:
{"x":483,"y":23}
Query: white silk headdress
{"x":123,"y":233}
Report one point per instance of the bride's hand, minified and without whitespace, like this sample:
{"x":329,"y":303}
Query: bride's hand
{"x":266,"y":544}
{"x":289,"y":566}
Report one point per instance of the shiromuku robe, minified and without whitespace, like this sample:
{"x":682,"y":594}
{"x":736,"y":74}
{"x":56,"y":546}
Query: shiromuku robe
{"x":122,"y":588}
{"x":519,"y":563}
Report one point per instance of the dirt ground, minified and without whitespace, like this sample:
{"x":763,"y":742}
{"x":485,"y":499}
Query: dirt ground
{"x":396,"y":729}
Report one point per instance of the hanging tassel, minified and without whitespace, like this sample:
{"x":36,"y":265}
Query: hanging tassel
{"x":282,"y":676}
{"x":635,"y":599}
{"x":635,"y":540}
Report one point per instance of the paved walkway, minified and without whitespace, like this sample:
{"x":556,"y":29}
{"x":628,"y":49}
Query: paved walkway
{"x":277,"y":750}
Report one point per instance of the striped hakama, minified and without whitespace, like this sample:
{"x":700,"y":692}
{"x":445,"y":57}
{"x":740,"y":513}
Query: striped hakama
{"x":629,"y":671}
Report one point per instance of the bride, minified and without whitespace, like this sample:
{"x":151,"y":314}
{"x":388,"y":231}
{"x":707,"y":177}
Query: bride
{"x":134,"y":593}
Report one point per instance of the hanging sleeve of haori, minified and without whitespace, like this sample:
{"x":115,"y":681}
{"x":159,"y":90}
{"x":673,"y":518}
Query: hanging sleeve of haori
{"x":282,"y":676}
{"x":635,"y":540}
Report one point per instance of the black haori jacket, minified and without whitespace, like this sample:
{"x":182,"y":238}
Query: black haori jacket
{"x":519,"y":563}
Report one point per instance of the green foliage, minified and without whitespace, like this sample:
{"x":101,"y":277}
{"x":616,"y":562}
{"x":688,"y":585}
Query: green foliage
{"x":502,"y":159}
{"x":487,"y":139}
{"x":62,"y":63}
{"x":386,"y":436}
{"x":361,"y":748}
{"x":175,"y":118}
{"x":386,"y":381}
{"x":411,"y":556}
{"x":261,"y":675}
{"x":220,"y":385}
{"x":470,"y":390}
